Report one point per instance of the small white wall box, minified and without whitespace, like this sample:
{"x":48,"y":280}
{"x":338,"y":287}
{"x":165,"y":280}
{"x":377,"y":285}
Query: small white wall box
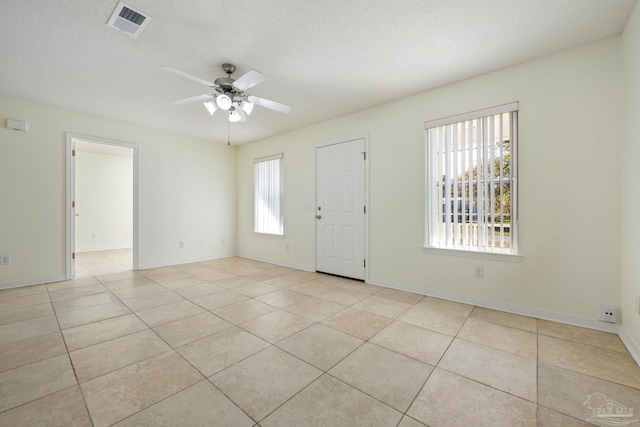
{"x":17,"y":125}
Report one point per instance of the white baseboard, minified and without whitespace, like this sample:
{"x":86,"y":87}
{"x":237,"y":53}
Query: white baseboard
{"x":584,"y":322}
{"x":30,"y":282}
{"x":281,"y":264}
{"x":103,"y":248}
{"x":169,"y":263}
{"x":631,"y":345}
{"x":209,"y":258}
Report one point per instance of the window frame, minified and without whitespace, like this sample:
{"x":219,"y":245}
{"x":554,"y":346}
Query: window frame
{"x":259,"y":226}
{"x":433,"y":189}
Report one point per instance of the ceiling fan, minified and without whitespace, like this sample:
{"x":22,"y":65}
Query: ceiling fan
{"x":229,"y":93}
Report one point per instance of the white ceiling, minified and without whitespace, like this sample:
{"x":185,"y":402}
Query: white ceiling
{"x":324,"y":58}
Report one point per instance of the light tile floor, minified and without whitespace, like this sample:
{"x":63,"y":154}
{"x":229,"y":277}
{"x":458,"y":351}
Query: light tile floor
{"x":234,"y":342}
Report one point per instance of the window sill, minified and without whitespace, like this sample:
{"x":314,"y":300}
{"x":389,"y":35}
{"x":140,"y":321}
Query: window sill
{"x":277,"y":236}
{"x":473,"y":254}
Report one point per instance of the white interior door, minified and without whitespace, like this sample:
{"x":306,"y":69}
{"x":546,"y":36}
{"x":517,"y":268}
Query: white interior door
{"x":340,"y":209}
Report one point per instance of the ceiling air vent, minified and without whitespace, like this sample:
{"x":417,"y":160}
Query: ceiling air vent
{"x":128,"y":20}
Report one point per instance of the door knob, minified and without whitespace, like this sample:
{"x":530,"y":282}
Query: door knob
{"x":319,"y":216}
{"x":77,"y":214}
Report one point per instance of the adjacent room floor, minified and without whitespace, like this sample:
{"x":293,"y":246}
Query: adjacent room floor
{"x":235,"y":342}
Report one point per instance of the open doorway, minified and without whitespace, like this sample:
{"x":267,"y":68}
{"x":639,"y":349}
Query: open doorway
{"x":102,"y":210}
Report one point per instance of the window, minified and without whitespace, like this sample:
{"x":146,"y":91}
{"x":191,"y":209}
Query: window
{"x":472,"y":181}
{"x":267,"y":187}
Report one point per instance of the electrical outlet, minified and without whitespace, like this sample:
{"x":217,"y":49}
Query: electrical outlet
{"x":181,"y":244}
{"x":478,"y":272}
{"x":5,"y":259}
{"x":607,"y":313}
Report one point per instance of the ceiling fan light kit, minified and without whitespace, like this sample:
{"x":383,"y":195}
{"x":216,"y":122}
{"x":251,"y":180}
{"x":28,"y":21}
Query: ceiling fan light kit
{"x":230,"y":94}
{"x":247,"y":107}
{"x":211,"y":107}
{"x":236,"y":116}
{"x":223,"y":101}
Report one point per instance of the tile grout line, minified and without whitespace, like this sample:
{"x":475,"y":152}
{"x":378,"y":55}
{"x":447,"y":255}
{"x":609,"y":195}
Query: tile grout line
{"x":435,"y":366}
{"x":208,"y":378}
{"x":68,"y":354}
{"x":393,"y":320}
{"x":274,"y":345}
{"x":82,"y":393}
{"x":106,"y":373}
{"x":171,"y":349}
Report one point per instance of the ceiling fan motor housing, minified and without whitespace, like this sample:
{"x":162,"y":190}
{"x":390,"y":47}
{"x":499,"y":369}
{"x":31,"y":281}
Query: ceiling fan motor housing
{"x":225,"y":82}
{"x":225,"y":88}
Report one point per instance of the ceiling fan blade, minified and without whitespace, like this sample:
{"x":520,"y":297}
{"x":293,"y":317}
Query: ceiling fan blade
{"x":249,"y":79}
{"x":267,"y":103}
{"x":194,"y":99}
{"x":189,"y":76}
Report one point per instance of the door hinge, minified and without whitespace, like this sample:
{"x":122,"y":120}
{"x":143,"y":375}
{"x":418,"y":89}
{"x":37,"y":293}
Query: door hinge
{"x":73,"y":204}
{"x":365,"y":263}
{"x":364,"y":155}
{"x":365,"y":209}
{"x":73,"y":152}
{"x":73,"y":255}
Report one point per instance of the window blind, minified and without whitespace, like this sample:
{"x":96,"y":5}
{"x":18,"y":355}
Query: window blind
{"x":472,"y":181}
{"x":268,"y":190}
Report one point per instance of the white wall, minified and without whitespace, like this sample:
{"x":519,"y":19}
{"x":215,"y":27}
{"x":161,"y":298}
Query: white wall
{"x":570,"y":119}
{"x":104,"y":201}
{"x":631,"y":178}
{"x":570,"y":188}
{"x":187,"y":191}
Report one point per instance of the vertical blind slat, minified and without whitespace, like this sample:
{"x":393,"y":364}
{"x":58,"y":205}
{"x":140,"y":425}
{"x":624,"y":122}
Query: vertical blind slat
{"x":447,"y":180}
{"x":441,"y":179}
{"x":513,"y":179}
{"x":501,"y":178}
{"x":463,"y":183}
{"x":454,"y":183}
{"x":490,"y":180}
{"x":479,"y":186}
{"x":470,"y":186}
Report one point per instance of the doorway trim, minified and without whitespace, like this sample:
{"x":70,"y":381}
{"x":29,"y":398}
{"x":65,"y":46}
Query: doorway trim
{"x":365,"y":136}
{"x":70,"y":195}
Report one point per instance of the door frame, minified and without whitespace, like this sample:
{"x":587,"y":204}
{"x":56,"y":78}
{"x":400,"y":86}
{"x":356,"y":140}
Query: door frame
{"x":71,"y":190}
{"x":365,"y":136}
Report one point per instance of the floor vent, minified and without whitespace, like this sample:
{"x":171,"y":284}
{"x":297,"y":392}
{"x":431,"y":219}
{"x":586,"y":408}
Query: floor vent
{"x":128,"y":20}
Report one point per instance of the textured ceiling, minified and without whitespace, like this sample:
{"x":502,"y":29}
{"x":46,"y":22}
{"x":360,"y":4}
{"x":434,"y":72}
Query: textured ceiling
{"x":324,"y":58}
